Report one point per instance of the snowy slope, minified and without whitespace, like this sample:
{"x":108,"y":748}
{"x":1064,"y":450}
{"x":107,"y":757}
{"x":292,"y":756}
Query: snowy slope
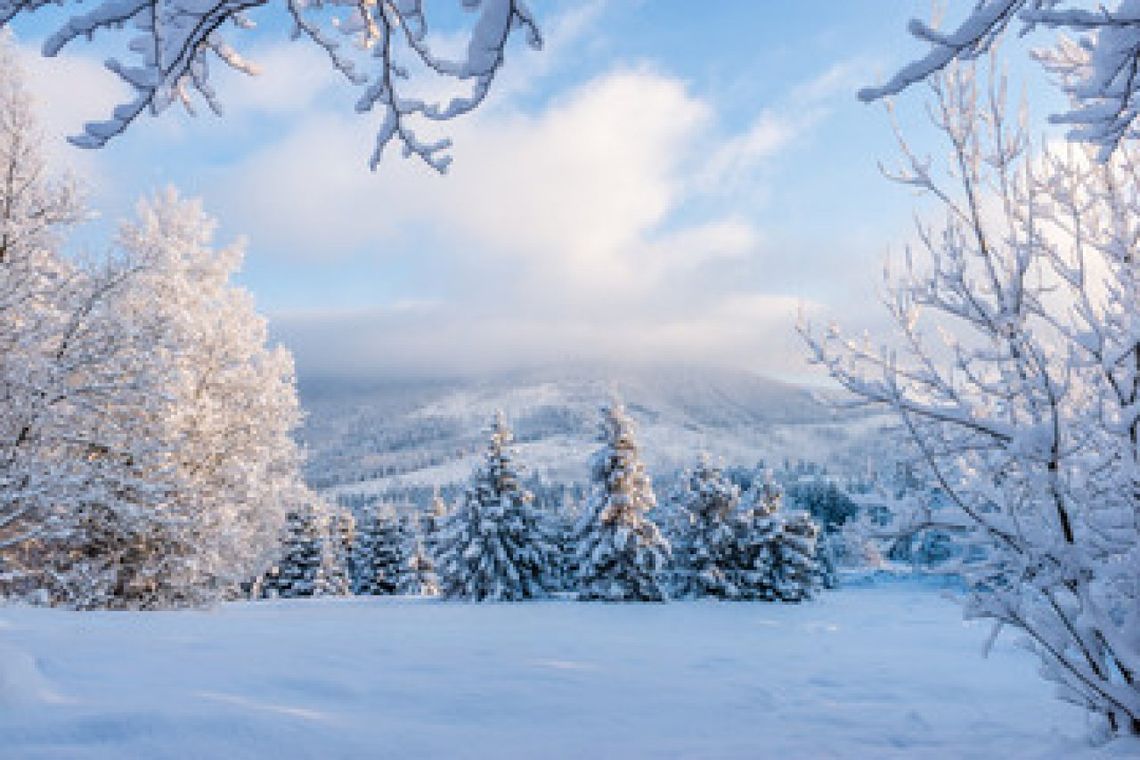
{"x":364,"y":438}
{"x":878,"y":672}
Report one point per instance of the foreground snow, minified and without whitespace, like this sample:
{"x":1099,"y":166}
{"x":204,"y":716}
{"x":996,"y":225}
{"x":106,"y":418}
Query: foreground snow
{"x":887,"y":671}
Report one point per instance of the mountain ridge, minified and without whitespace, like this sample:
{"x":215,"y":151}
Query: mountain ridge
{"x":368,"y":436}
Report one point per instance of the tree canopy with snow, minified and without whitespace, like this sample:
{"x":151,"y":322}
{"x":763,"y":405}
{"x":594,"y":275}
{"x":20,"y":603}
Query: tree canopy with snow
{"x":495,"y":545}
{"x":1014,"y":374}
{"x":1098,"y":69}
{"x":620,"y":553}
{"x":704,"y":550}
{"x":146,"y":450}
{"x":386,"y":50}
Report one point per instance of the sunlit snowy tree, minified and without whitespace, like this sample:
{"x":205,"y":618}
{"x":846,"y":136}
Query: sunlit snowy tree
{"x":1015,"y":374}
{"x":382,"y":49}
{"x":219,"y":425}
{"x":494,"y":546}
{"x":621,"y":554}
{"x":145,"y":436}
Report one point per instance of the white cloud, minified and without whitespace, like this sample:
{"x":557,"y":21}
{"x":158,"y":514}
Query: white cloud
{"x":565,"y":230}
{"x":69,"y":91}
{"x":555,"y":236}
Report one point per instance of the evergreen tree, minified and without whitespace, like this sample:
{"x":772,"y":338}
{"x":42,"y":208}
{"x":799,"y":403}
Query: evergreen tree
{"x":621,"y":555}
{"x":432,"y":521}
{"x":705,"y":549}
{"x":417,"y":576}
{"x":758,"y":531}
{"x":310,"y":563}
{"x":795,"y":573}
{"x":297,"y":571}
{"x":337,"y":541}
{"x":776,"y":551}
{"x":563,"y":526}
{"x":380,"y":553}
{"x":494,"y":546}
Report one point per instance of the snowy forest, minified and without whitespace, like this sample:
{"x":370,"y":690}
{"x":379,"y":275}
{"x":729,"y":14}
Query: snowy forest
{"x":629,"y":475}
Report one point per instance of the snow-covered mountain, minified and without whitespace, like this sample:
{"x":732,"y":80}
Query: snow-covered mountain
{"x":367,"y":438}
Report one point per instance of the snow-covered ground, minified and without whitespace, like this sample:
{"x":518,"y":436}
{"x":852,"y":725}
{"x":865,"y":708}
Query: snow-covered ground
{"x":865,"y":672}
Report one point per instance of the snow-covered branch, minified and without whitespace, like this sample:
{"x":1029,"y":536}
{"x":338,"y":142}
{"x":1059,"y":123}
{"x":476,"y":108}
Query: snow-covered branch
{"x":1098,"y":71}
{"x":378,"y":45}
{"x":1025,"y":412}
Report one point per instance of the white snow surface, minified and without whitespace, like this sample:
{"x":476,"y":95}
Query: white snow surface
{"x":886,"y":671}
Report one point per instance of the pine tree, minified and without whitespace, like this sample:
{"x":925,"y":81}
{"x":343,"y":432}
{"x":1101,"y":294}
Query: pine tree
{"x":705,"y":549}
{"x":337,"y":540}
{"x":418,"y":576}
{"x":380,"y":553}
{"x":297,"y":572}
{"x":757,"y":535}
{"x":776,"y":551}
{"x":311,"y":564}
{"x":621,"y":555}
{"x":563,"y":530}
{"x":494,"y":546}
{"x":796,"y":574}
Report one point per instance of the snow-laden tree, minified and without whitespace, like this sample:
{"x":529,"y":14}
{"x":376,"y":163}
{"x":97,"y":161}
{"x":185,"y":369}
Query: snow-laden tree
{"x":78,"y":391}
{"x":216,"y":427}
{"x":341,"y":539}
{"x":1097,"y":66}
{"x":382,"y":49}
{"x":417,"y":576}
{"x":494,"y":546}
{"x":1014,"y":372}
{"x":796,"y":573}
{"x":775,"y":557}
{"x":309,"y":562}
{"x":621,"y":554}
{"x":704,"y":550}
{"x":38,"y":289}
{"x":381,"y":553}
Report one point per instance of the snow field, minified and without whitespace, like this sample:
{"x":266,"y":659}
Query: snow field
{"x":887,"y":671}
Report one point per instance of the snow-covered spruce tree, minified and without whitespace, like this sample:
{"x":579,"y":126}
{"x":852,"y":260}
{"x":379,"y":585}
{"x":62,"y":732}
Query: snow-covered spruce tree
{"x":298,"y":570}
{"x":563,"y":531}
{"x":1098,"y":70}
{"x":375,"y":46}
{"x":704,"y":551}
{"x":381,"y":553}
{"x":1028,"y":415}
{"x":433,"y":519}
{"x":776,"y":554}
{"x":494,"y":546}
{"x":337,"y":539}
{"x":757,"y":537}
{"x":311,"y":560}
{"x":621,"y":555}
{"x":796,"y":574}
{"x":417,"y":575}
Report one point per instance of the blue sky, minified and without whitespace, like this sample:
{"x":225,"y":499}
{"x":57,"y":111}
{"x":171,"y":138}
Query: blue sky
{"x":659,"y":182}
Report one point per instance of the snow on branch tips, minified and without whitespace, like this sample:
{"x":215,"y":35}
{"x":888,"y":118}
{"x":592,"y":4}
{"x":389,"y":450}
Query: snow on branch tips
{"x":1097,"y":66}
{"x":380,"y":46}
